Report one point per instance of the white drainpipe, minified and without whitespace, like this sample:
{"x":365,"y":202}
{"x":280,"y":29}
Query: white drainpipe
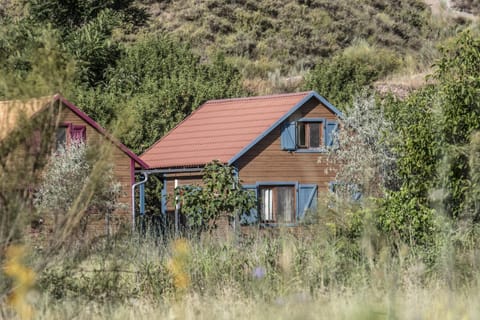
{"x":133,"y":197}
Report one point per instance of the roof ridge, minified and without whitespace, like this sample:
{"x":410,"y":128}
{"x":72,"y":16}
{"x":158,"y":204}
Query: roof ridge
{"x":279,"y":95}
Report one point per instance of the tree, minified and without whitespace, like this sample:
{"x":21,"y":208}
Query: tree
{"x":345,"y":74}
{"x":73,"y":187}
{"x":156,"y":83}
{"x":437,"y":146}
{"x":458,"y":74}
{"x":435,"y":127}
{"x":220,"y":193}
{"x":67,"y":16}
{"x":365,"y":158}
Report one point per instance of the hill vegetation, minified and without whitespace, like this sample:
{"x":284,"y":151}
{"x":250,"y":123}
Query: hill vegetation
{"x":409,"y":247}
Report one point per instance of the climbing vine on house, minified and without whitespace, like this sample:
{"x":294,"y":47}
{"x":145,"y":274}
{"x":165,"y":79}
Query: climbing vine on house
{"x":220,"y":193}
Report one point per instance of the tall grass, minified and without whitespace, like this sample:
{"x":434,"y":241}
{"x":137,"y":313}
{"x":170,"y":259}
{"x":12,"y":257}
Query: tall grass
{"x":257,"y":277}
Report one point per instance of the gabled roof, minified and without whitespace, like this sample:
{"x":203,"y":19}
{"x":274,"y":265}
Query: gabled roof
{"x":11,"y":111}
{"x":225,"y":129}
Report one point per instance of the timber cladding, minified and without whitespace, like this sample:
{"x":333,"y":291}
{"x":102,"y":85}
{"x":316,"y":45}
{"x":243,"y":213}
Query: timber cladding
{"x":266,"y":161}
{"x":120,"y":162}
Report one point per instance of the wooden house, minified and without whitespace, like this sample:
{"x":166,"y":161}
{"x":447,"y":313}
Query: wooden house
{"x":277,"y":144}
{"x":60,"y":121}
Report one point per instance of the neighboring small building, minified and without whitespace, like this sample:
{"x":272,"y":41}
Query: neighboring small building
{"x":58,"y":119}
{"x":278,"y":145}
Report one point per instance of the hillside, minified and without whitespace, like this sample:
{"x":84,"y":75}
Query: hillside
{"x":277,"y":41}
{"x":130,"y":62}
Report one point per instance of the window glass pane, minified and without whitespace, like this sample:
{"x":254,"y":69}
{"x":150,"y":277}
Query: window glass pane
{"x":61,"y":137}
{"x":314,"y":135}
{"x":266,"y":204}
{"x":285,"y":204}
{"x":301,"y":134}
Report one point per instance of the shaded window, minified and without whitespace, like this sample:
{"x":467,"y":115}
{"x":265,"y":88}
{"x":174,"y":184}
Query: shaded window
{"x":301,"y":135}
{"x":309,"y":135}
{"x":35,"y":143}
{"x":61,"y":137}
{"x":277,"y":204}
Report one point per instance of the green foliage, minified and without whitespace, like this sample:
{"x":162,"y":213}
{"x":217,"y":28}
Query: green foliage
{"x":458,"y":73}
{"x":416,"y":142}
{"x":70,"y":15}
{"x":155,"y":85}
{"x":340,"y":77}
{"x":87,"y":31}
{"x":436,"y":125}
{"x":220,"y":193}
{"x":93,"y":47}
{"x":32,"y":62}
{"x":407,"y":220}
{"x":437,"y":157}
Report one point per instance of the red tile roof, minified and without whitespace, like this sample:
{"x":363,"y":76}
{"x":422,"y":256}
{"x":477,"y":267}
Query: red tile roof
{"x":219,"y":130}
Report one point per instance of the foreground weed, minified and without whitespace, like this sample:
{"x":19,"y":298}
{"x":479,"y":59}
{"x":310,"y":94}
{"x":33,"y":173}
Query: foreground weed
{"x":23,"y":280}
{"x":177,"y":264}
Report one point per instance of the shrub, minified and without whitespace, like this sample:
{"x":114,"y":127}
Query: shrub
{"x":220,"y":193}
{"x":345,"y":74}
{"x":72,"y":188}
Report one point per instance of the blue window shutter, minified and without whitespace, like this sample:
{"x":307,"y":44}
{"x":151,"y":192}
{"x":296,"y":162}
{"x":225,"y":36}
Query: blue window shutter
{"x":307,"y":199}
{"x":142,"y":199}
{"x":330,"y":128}
{"x":253,"y":216}
{"x":288,"y":136}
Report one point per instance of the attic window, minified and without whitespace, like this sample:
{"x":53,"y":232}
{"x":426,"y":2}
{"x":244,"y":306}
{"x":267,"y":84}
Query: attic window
{"x":67,"y":133}
{"x":309,"y":134}
{"x":61,"y":137}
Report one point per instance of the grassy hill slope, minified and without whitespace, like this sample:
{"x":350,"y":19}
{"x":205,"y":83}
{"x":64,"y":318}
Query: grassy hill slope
{"x":274,"y":39}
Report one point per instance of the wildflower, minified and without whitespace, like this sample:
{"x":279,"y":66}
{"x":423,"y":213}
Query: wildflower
{"x":177,"y":265}
{"x":23,"y":277}
{"x":259,"y":273}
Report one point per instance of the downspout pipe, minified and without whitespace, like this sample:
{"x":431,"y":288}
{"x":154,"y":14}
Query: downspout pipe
{"x":145,"y":174}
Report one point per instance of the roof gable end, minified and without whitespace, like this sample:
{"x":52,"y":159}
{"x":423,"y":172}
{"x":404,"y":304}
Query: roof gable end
{"x":311,"y":95}
{"x":225,"y":129}
{"x":100,"y":129}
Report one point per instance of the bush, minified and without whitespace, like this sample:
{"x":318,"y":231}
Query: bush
{"x":73,"y":188}
{"x":220,"y":193}
{"x":342,"y":76}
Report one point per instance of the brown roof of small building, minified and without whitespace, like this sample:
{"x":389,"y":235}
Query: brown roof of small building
{"x":220,"y":130}
{"x":13,"y":111}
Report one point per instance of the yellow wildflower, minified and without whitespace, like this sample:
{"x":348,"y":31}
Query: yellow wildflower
{"x":23,"y":280}
{"x":177,"y":264}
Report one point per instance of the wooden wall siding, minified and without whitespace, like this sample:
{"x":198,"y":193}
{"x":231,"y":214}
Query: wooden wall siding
{"x":183,"y":179}
{"x":266,"y":161}
{"x":121,"y":169}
